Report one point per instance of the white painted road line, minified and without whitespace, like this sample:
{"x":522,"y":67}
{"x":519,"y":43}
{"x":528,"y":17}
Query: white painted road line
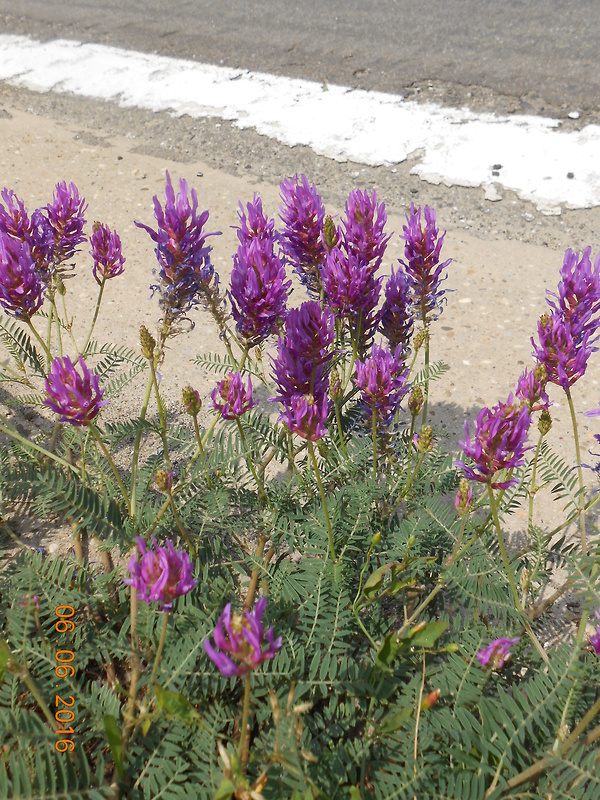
{"x":531,"y":155}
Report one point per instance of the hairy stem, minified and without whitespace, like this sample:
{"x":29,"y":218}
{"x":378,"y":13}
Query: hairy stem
{"x":261,"y":488}
{"x":95,"y":317}
{"x":245,"y":715}
{"x":161,"y":644}
{"x":580,"y":472}
{"x":311,"y":451}
{"x":112,"y":465}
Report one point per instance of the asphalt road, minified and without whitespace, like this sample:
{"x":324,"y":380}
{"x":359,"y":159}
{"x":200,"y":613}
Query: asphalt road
{"x":538,"y":56}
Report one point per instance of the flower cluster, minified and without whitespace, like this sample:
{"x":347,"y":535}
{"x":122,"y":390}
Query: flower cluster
{"x":499,"y":443}
{"x":464,"y":497}
{"x":352,"y":290}
{"x":240,"y":639}
{"x":63,"y":217}
{"x":16,"y":224}
{"x":106,"y":253}
{"x":186,"y":272}
{"x":395,"y":317}
{"x":497,"y":652}
{"x":531,"y":389}
{"x":21,"y":289}
{"x":595,"y":637}
{"x":422,"y":253}
{"x":301,"y":370}
{"x":259,"y":289}
{"x":363,"y":228}
{"x":231,"y":398}
{"x":161,"y":575}
{"x":78,"y":399}
{"x":303,"y":214}
{"x":566,"y":335}
{"x":382,"y":381}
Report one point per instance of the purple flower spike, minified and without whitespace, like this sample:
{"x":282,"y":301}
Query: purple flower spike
{"x":186,"y":272}
{"x":259,"y":289}
{"x":382,"y":381}
{"x":77,"y":399}
{"x":21,"y":289}
{"x":351,"y":290}
{"x":161,"y":575}
{"x":595,"y":637}
{"x":106,"y":252}
{"x":578,"y":298}
{"x":563,"y":354}
{"x":309,"y":332}
{"x":64,"y":216}
{"x":231,"y":398}
{"x":530,"y":389}
{"x":363,"y":234}
{"x":240,"y":639}
{"x":303,"y":214}
{"x":306,"y":415}
{"x":395,"y":317}
{"x":499,"y":443}
{"x":14,"y":219}
{"x":496,"y":653}
{"x":422,"y":253}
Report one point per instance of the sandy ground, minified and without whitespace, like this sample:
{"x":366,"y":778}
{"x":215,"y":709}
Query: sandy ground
{"x":498,"y":285}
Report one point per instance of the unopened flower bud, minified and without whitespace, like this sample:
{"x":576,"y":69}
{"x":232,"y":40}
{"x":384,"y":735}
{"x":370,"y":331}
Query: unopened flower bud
{"x":545,"y":422}
{"x":415,"y":401}
{"x":335,"y":385}
{"x":191,"y":401}
{"x":147,"y":341}
{"x":431,"y":699}
{"x":329,"y":233}
{"x":164,"y":480}
{"x":540,"y":374}
{"x":524,"y":580}
{"x":61,"y":289}
{"x":425,"y":439}
{"x":464,"y":497}
{"x":420,"y":338}
{"x":376,"y":539}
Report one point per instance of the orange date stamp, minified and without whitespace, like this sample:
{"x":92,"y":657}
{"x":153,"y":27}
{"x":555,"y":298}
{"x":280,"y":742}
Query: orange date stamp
{"x":64,"y":714}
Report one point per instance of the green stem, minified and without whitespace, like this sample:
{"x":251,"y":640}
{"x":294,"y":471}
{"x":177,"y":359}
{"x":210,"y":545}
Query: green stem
{"x":57,"y":324}
{"x":161,"y":416}
{"x":136,"y":445}
{"x":161,"y":644}
{"x":25,"y":676}
{"x":33,"y":446}
{"x":374,"y":434}
{"x":201,"y":452}
{"x":426,"y":392}
{"x":580,"y":471}
{"x":95,"y":317}
{"x":458,"y":541}
{"x":180,"y":527}
{"x":245,"y":715}
{"x":261,"y":488}
{"x":69,"y":325}
{"x":533,"y":490}
{"x":508,"y":570}
{"x":411,"y":480}
{"x":40,"y":340}
{"x":244,"y":357}
{"x":113,"y":467}
{"x":311,"y":450}
{"x":338,"y":419}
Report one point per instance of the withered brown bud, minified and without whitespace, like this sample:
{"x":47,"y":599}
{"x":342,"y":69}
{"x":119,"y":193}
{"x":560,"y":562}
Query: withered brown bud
{"x":545,"y":422}
{"x":147,"y":341}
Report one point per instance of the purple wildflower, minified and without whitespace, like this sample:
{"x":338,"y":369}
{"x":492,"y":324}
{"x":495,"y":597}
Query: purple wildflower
{"x":422,"y":253}
{"x":309,"y":332}
{"x":578,"y":298}
{"x":564,"y":355}
{"x":255,"y":224}
{"x":302,"y":213}
{"x":497,"y":652}
{"x":161,"y":575}
{"x":164,"y":480}
{"x":259,"y":289}
{"x":21,"y":289}
{"x":531,"y":389}
{"x":186,"y":271}
{"x":351,"y":290}
{"x":231,"y":398}
{"x":306,"y":415}
{"x":395,"y":317}
{"x":499,"y":443}
{"x":241,"y":637}
{"x":362,"y":233}
{"x":64,"y":216}
{"x":14,"y":218}
{"x":381,"y":379}
{"x":106,"y":252}
{"x":77,"y":399}
{"x":28,"y":601}
{"x":595,"y":637}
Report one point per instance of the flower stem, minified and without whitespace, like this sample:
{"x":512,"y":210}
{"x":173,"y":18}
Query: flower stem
{"x":458,"y":541}
{"x":374,"y":434}
{"x":245,"y":715}
{"x":31,"y":445}
{"x":95,"y":317}
{"x":508,"y":570}
{"x":261,"y":488}
{"x":112,"y":465}
{"x":161,"y":644}
{"x":45,"y":347}
{"x":533,"y":490}
{"x":201,"y":452}
{"x":180,"y":527}
{"x":136,"y":444}
{"x":426,"y":387}
{"x":580,"y":471}
{"x":338,"y":419}
{"x":69,"y":324}
{"x":311,"y":450}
